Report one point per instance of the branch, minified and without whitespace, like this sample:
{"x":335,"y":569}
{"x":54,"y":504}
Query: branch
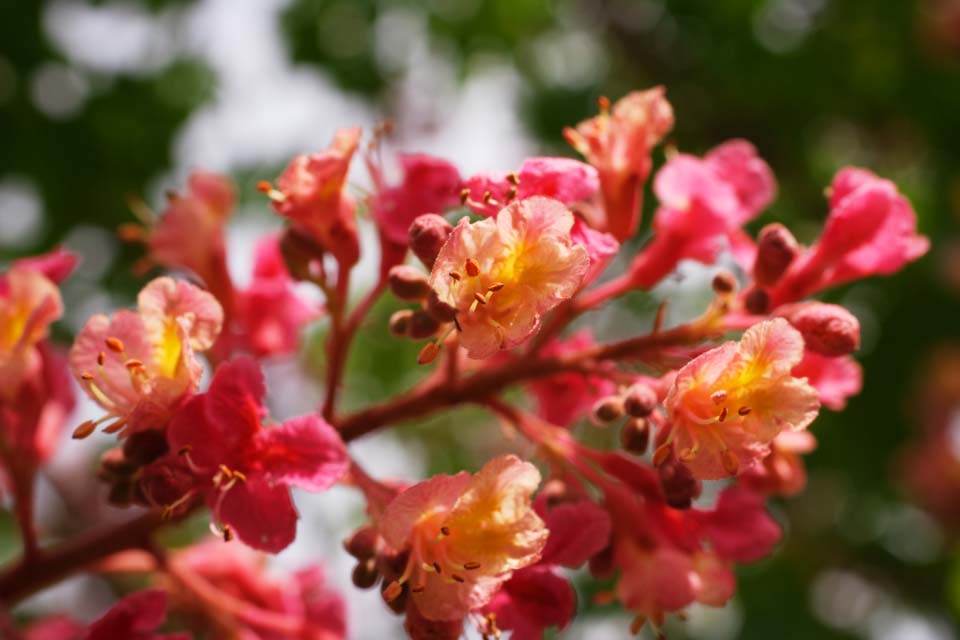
{"x":441,"y":394}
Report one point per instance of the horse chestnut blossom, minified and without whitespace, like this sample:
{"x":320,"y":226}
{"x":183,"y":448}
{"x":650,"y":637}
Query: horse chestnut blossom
{"x":727,"y":405}
{"x":500,"y":275}
{"x":502,"y":306}
{"x":465,"y":534}
{"x":140,"y":366}
{"x":243,"y":469}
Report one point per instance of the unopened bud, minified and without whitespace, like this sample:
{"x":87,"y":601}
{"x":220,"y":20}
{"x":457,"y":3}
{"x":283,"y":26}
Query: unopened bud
{"x":299,"y":251}
{"x":724,"y":282}
{"x":440,"y":310}
{"x":365,"y":574}
{"x":757,"y":301}
{"x":635,"y":436}
{"x":408,"y":283}
{"x":776,"y":249}
{"x":827,"y":329}
{"x":640,"y":400}
{"x":400,"y":323}
{"x":362,"y":543}
{"x":608,"y":409}
{"x":422,"y":325}
{"x":680,"y":488}
{"x":427,"y":235}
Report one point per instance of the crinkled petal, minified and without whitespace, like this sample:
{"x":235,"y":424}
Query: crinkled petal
{"x":262,"y":515}
{"x":305,"y":452}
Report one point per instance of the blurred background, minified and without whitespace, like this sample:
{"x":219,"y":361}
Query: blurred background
{"x":103,"y":100}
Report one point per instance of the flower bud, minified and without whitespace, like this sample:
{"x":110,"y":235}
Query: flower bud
{"x":365,"y":574}
{"x":776,"y":249}
{"x":408,"y":283}
{"x":680,"y":488}
{"x":827,"y":329}
{"x":422,"y":325}
{"x":400,"y":323}
{"x":640,"y":400}
{"x":440,"y":310}
{"x":299,"y":251}
{"x":608,"y":409}
{"x":635,"y":436}
{"x":724,"y":282}
{"x":757,"y":301}
{"x":362,"y":543}
{"x":428,"y":233}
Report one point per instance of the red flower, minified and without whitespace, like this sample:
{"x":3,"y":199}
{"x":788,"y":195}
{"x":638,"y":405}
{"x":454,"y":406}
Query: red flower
{"x":429,"y":185}
{"x":247,"y":469}
{"x":136,"y":617}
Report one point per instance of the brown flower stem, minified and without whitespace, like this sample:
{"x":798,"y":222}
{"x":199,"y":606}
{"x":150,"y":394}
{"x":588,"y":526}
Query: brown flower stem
{"x":439,"y":393}
{"x":49,"y":566}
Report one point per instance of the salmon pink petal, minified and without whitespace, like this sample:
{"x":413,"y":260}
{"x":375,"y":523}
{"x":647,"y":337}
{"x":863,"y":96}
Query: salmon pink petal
{"x":713,"y":581}
{"x":440,"y":492}
{"x":533,"y":600}
{"x":305,"y":452}
{"x":562,"y":179}
{"x":165,"y":300}
{"x":261,"y":515}
{"x":112,"y":386}
{"x":656,"y":581}
{"x":773,"y":346}
{"x":578,"y":530}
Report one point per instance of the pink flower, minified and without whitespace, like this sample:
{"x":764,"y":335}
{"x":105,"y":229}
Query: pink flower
{"x":245,"y":470}
{"x":244,"y":600}
{"x":619,"y":144}
{"x":429,"y":185}
{"x":568,"y":181}
{"x":29,"y":303}
{"x":835,"y":379}
{"x":739,"y":527}
{"x":311,"y":194}
{"x":190,"y":234}
{"x":566,"y":397}
{"x":139,"y":366}
{"x":702,"y":203}
{"x":502,"y":274}
{"x":269,"y":314}
{"x":466,"y":535}
{"x":871,"y":230}
{"x":727,"y":405}
{"x":563,"y":179}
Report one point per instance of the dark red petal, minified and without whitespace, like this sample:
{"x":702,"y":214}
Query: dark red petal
{"x":262,"y":516}
{"x":305,"y":452}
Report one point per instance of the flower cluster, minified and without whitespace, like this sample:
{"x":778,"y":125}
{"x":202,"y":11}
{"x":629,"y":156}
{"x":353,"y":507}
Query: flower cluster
{"x":509,"y":263}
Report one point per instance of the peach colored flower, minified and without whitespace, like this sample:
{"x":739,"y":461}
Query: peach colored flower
{"x":139,"y":365}
{"x":618,"y":143}
{"x":466,"y":535}
{"x":502,"y":274}
{"x":727,"y":405}
{"x":29,"y":303}
{"x":311,"y":194}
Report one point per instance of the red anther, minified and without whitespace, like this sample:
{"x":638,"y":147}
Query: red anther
{"x":743,"y":411}
{"x":662,"y":453}
{"x":471,"y":566}
{"x":84,"y":430}
{"x":114,"y":344}
{"x":429,"y":353}
{"x":86,"y":375}
{"x":264,"y":186}
{"x":472,"y":267}
{"x":723,"y":414}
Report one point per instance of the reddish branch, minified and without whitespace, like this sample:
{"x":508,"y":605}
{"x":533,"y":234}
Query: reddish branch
{"x":49,"y":566}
